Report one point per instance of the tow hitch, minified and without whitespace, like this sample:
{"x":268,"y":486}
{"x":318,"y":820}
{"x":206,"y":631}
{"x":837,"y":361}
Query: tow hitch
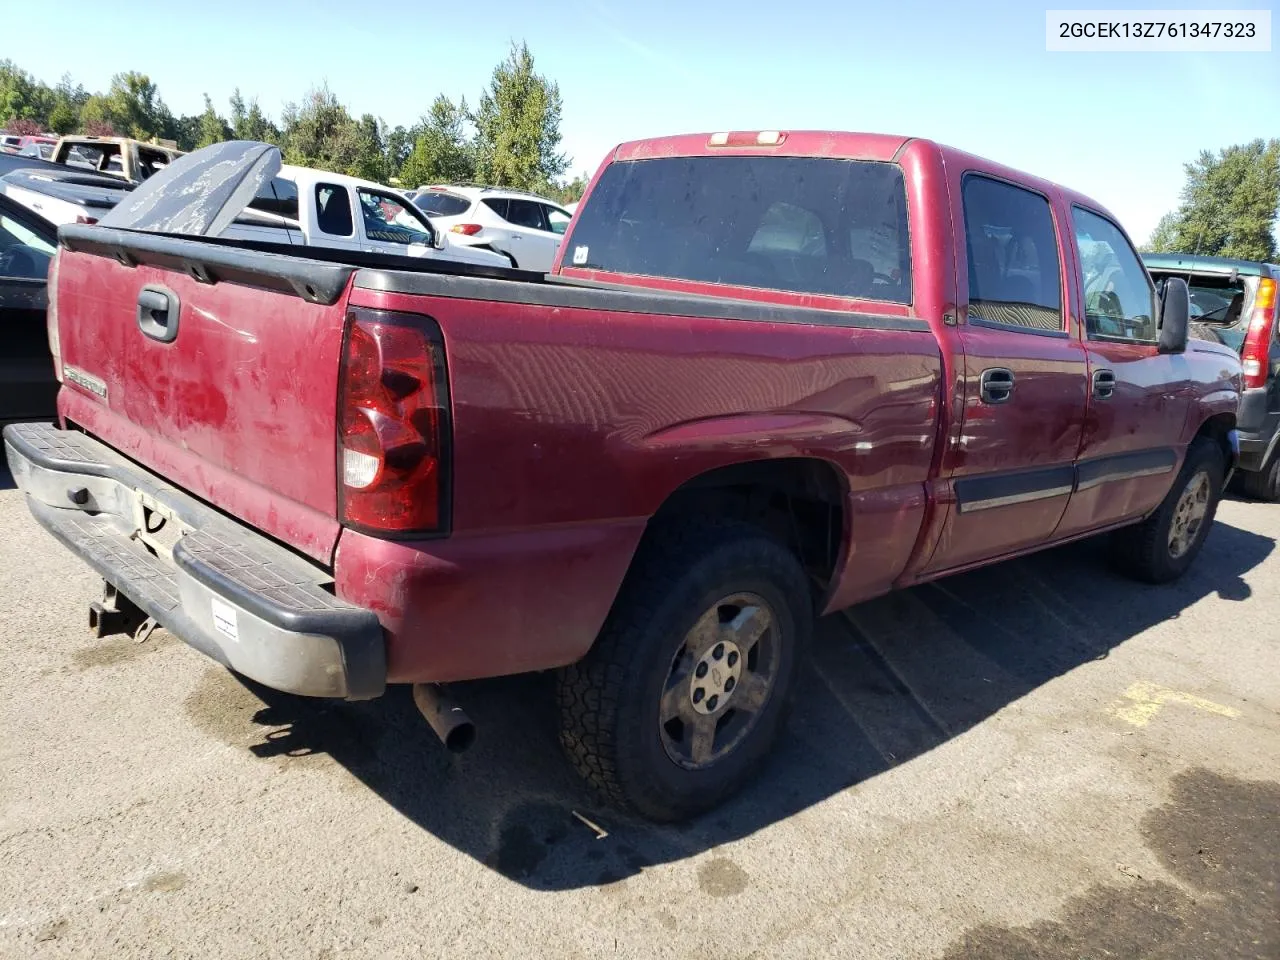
{"x":116,"y":614}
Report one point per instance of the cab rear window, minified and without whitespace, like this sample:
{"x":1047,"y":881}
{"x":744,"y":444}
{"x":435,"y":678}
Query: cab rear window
{"x":798,"y":224}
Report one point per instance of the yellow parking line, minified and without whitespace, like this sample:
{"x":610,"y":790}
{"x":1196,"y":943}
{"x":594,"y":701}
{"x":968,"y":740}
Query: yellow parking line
{"x":1143,"y":700}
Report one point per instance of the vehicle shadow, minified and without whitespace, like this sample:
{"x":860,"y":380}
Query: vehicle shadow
{"x":6,"y":478}
{"x":888,"y":681}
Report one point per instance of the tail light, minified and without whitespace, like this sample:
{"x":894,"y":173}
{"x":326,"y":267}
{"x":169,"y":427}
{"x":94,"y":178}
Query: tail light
{"x":393,"y":425}
{"x":1256,"y":354}
{"x":467,"y":229}
{"x":51,"y":315}
{"x":81,"y":218}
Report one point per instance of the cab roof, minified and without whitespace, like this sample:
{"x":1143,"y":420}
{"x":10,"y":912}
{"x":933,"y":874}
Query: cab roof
{"x":1192,"y":263}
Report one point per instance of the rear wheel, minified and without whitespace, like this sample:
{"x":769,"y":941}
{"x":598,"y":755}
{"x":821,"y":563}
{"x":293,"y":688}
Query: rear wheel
{"x":684,"y":692}
{"x":1265,"y":483}
{"x":1163,"y":546}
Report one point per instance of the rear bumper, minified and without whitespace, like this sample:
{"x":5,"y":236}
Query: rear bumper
{"x":222,"y":587}
{"x":1259,"y":428}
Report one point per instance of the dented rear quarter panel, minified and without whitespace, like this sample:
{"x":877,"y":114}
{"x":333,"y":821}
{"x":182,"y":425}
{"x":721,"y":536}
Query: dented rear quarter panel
{"x":571,"y":428}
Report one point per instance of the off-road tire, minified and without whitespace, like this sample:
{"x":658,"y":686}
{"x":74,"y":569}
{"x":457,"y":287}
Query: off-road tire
{"x":1142,"y":551}
{"x":609,"y":700}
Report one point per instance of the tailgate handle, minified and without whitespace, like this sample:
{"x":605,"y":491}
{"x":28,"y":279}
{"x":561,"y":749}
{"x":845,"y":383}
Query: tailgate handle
{"x":158,"y":313}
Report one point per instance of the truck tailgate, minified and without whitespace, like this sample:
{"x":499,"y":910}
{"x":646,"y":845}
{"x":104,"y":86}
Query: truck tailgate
{"x":226,"y":388}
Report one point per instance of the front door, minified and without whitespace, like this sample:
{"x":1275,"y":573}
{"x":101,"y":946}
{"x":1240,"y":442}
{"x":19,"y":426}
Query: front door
{"x":1139,"y":397}
{"x":1012,"y":466}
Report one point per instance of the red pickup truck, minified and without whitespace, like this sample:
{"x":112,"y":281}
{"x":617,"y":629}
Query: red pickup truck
{"x":774,"y":374}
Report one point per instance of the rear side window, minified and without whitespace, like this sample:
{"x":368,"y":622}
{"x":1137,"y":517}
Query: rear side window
{"x":1013,"y":256}
{"x":557,"y":219}
{"x":497,"y":204}
{"x":436,"y":204}
{"x":278,"y":196}
{"x":525,"y":213}
{"x":1119,"y":302}
{"x":333,"y":210}
{"x":799,"y":224}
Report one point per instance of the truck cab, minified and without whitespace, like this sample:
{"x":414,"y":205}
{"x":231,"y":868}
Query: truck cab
{"x":324,"y":209}
{"x":123,"y":157}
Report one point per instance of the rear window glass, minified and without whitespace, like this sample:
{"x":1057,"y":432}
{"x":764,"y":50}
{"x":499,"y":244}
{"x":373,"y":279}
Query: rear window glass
{"x":442,"y":204}
{"x":1217,"y":302}
{"x":278,"y":196}
{"x":800,"y":224}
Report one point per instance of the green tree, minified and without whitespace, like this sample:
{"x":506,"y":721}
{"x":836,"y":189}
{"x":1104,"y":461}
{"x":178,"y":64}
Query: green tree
{"x":441,"y":152}
{"x":518,"y":126}
{"x":320,"y":133}
{"x":248,"y":121}
{"x":398,"y":147}
{"x":213,"y":129}
{"x":1230,"y":204}
{"x":63,"y":118}
{"x":96,"y":118}
{"x":134,"y":107}
{"x":1164,"y":238}
{"x":371,"y":160}
{"x":18,"y":94}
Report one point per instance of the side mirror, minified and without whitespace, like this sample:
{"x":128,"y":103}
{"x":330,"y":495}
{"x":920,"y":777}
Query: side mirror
{"x":1175,"y":311}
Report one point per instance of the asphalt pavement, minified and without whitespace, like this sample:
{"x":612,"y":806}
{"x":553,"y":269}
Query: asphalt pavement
{"x":1039,"y":759}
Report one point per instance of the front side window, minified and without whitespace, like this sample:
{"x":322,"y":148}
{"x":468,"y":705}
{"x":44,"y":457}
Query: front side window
{"x":390,"y":220}
{"x":23,"y":252}
{"x":1013,"y":256}
{"x":812,"y":225}
{"x":333,"y":210}
{"x":1119,"y":302}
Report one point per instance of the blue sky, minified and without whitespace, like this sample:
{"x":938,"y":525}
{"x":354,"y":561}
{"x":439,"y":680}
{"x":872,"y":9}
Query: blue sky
{"x":976,"y":75}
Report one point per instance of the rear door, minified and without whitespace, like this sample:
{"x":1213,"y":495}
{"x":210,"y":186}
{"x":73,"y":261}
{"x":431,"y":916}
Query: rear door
{"x":532,"y":242}
{"x":1012,"y":470}
{"x":1139,"y":398}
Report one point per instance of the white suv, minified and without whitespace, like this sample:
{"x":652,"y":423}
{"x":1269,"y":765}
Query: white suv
{"x":522,"y":226}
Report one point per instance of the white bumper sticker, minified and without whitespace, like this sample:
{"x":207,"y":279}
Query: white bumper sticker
{"x":224,"y":619}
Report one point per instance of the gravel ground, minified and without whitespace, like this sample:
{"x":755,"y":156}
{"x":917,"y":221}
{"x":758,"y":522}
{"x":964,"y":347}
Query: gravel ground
{"x":1035,"y":760}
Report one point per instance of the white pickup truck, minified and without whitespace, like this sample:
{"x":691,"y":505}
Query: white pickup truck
{"x":322,"y":209}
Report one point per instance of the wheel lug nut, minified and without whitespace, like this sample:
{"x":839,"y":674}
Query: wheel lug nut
{"x":712,"y":701}
{"x":700,"y":671}
{"x":729,"y":685}
{"x":733,"y":658}
{"x":698,"y":694}
{"x":718,"y":652}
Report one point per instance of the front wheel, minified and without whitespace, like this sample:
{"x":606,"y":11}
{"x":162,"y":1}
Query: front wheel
{"x":1163,"y":546}
{"x":685,"y":691}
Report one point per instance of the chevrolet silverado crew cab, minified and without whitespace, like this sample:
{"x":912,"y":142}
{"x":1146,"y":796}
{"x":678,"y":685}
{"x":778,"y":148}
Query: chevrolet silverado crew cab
{"x":772,"y":375}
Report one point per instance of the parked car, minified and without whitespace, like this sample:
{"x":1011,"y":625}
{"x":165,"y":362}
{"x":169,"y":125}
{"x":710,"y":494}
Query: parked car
{"x":38,"y":148}
{"x":771,"y":375}
{"x":524,"y":227}
{"x":27,"y":385}
{"x":1234,"y":303}
{"x":64,"y":194}
{"x":122,"y":157}
{"x":323,"y":209}
{"x":10,"y":142}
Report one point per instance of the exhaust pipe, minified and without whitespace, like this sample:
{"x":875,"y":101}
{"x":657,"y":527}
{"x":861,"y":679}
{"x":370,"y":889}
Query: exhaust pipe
{"x":447,"y":719}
